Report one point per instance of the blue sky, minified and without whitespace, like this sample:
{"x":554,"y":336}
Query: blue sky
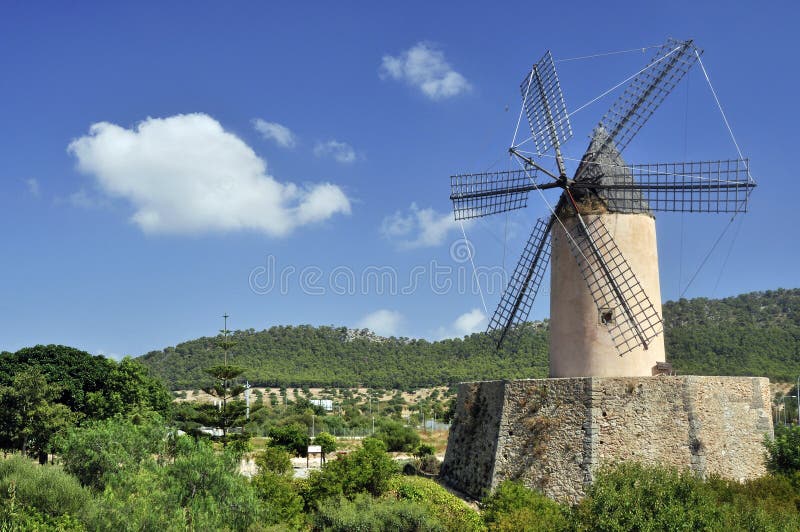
{"x":163,"y":164}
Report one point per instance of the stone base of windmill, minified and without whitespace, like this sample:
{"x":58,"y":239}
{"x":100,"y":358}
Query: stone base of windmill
{"x":554,"y":434}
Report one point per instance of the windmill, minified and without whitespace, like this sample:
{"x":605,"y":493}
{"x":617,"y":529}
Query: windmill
{"x":602,"y":229}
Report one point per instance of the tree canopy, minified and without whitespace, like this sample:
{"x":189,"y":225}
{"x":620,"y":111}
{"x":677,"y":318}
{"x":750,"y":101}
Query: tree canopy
{"x":750,"y":334}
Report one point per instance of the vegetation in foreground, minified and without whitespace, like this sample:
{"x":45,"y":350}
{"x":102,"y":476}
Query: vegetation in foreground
{"x":177,"y":483}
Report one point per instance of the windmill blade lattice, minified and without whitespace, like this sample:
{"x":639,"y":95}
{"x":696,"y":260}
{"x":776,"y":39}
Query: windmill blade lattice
{"x":544,"y":106}
{"x":517,"y":300}
{"x":476,"y":195}
{"x":643,"y":96}
{"x":628,"y":313}
{"x":700,"y":186}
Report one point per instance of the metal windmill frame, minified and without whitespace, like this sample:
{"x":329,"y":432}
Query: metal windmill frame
{"x":602,"y":178}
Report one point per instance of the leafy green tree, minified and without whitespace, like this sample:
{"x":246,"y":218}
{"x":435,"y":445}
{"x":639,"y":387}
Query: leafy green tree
{"x":783,"y":452}
{"x":292,"y":438}
{"x":282,"y":503}
{"x":91,"y":386}
{"x":274,"y":460}
{"x":100,"y":448}
{"x":29,"y":415}
{"x":327,"y":442}
{"x":366,"y":470}
{"x":397,"y":436}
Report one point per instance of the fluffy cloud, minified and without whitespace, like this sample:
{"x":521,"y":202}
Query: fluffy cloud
{"x":417,"y":228}
{"x":185,"y":174}
{"x":281,"y":134}
{"x":468,"y":323}
{"x":423,"y":66}
{"x":382,"y":322}
{"x":340,"y":151}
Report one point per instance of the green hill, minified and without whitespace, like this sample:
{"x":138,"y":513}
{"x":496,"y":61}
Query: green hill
{"x":750,"y":334}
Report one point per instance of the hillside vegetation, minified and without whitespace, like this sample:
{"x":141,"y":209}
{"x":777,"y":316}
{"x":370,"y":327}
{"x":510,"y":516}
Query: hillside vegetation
{"x":750,"y":334}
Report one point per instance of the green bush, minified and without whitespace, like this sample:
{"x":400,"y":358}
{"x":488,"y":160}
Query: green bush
{"x":200,"y":490}
{"x":453,"y":513}
{"x":397,"y":436}
{"x":423,"y":449}
{"x":368,"y":514}
{"x":100,"y":448}
{"x":280,"y":500}
{"x":326,"y":441}
{"x":635,"y":497}
{"x":292,"y":438}
{"x":366,"y":470}
{"x":783,"y":452}
{"x":767,"y":503}
{"x":46,"y":489}
{"x":274,"y":460}
{"x":512,"y":506}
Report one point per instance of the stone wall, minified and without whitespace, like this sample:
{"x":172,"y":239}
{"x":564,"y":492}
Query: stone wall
{"x":553,"y":434}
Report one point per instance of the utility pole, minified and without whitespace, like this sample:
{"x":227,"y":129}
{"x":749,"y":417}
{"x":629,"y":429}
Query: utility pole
{"x":798,"y":400}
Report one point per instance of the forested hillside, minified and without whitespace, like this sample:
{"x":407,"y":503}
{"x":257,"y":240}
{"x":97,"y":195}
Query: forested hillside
{"x":750,"y":334}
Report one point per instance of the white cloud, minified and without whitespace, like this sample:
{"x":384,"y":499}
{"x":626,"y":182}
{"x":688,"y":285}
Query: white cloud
{"x":340,"y":151}
{"x":468,"y":323}
{"x":185,"y":174}
{"x":281,"y":134}
{"x":33,"y":187}
{"x":417,"y":228}
{"x":382,"y":322}
{"x":424,"y":66}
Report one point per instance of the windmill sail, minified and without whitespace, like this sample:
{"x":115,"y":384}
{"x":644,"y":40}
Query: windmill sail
{"x":477,"y":195}
{"x":544,"y":106}
{"x":642,"y":97}
{"x":517,"y":300}
{"x":631,"y":318}
{"x":700,"y":186}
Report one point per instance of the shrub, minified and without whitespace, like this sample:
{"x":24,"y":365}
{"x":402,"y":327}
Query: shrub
{"x":397,"y":436}
{"x":46,"y":489}
{"x":281,"y":501}
{"x":326,"y":441}
{"x":200,"y":490}
{"x":453,"y":513}
{"x":109,"y":446}
{"x":292,"y":438}
{"x":366,"y":513}
{"x":635,"y":497}
{"x":274,"y":460}
{"x":367,"y":469}
{"x":512,"y":506}
{"x":783,"y":452}
{"x":424,"y":449}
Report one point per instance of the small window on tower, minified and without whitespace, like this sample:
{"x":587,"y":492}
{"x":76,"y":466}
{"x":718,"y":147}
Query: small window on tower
{"x":606,"y":316}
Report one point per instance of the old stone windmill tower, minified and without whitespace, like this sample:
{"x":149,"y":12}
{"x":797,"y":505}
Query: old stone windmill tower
{"x":602,"y":403}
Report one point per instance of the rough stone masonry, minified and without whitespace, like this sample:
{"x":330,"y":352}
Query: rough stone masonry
{"x":553,"y":434}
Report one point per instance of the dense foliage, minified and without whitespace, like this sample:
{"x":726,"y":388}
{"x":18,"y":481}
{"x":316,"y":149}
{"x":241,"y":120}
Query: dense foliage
{"x":783,"y":452}
{"x":46,"y":389}
{"x":750,"y":334}
{"x":328,"y":356}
